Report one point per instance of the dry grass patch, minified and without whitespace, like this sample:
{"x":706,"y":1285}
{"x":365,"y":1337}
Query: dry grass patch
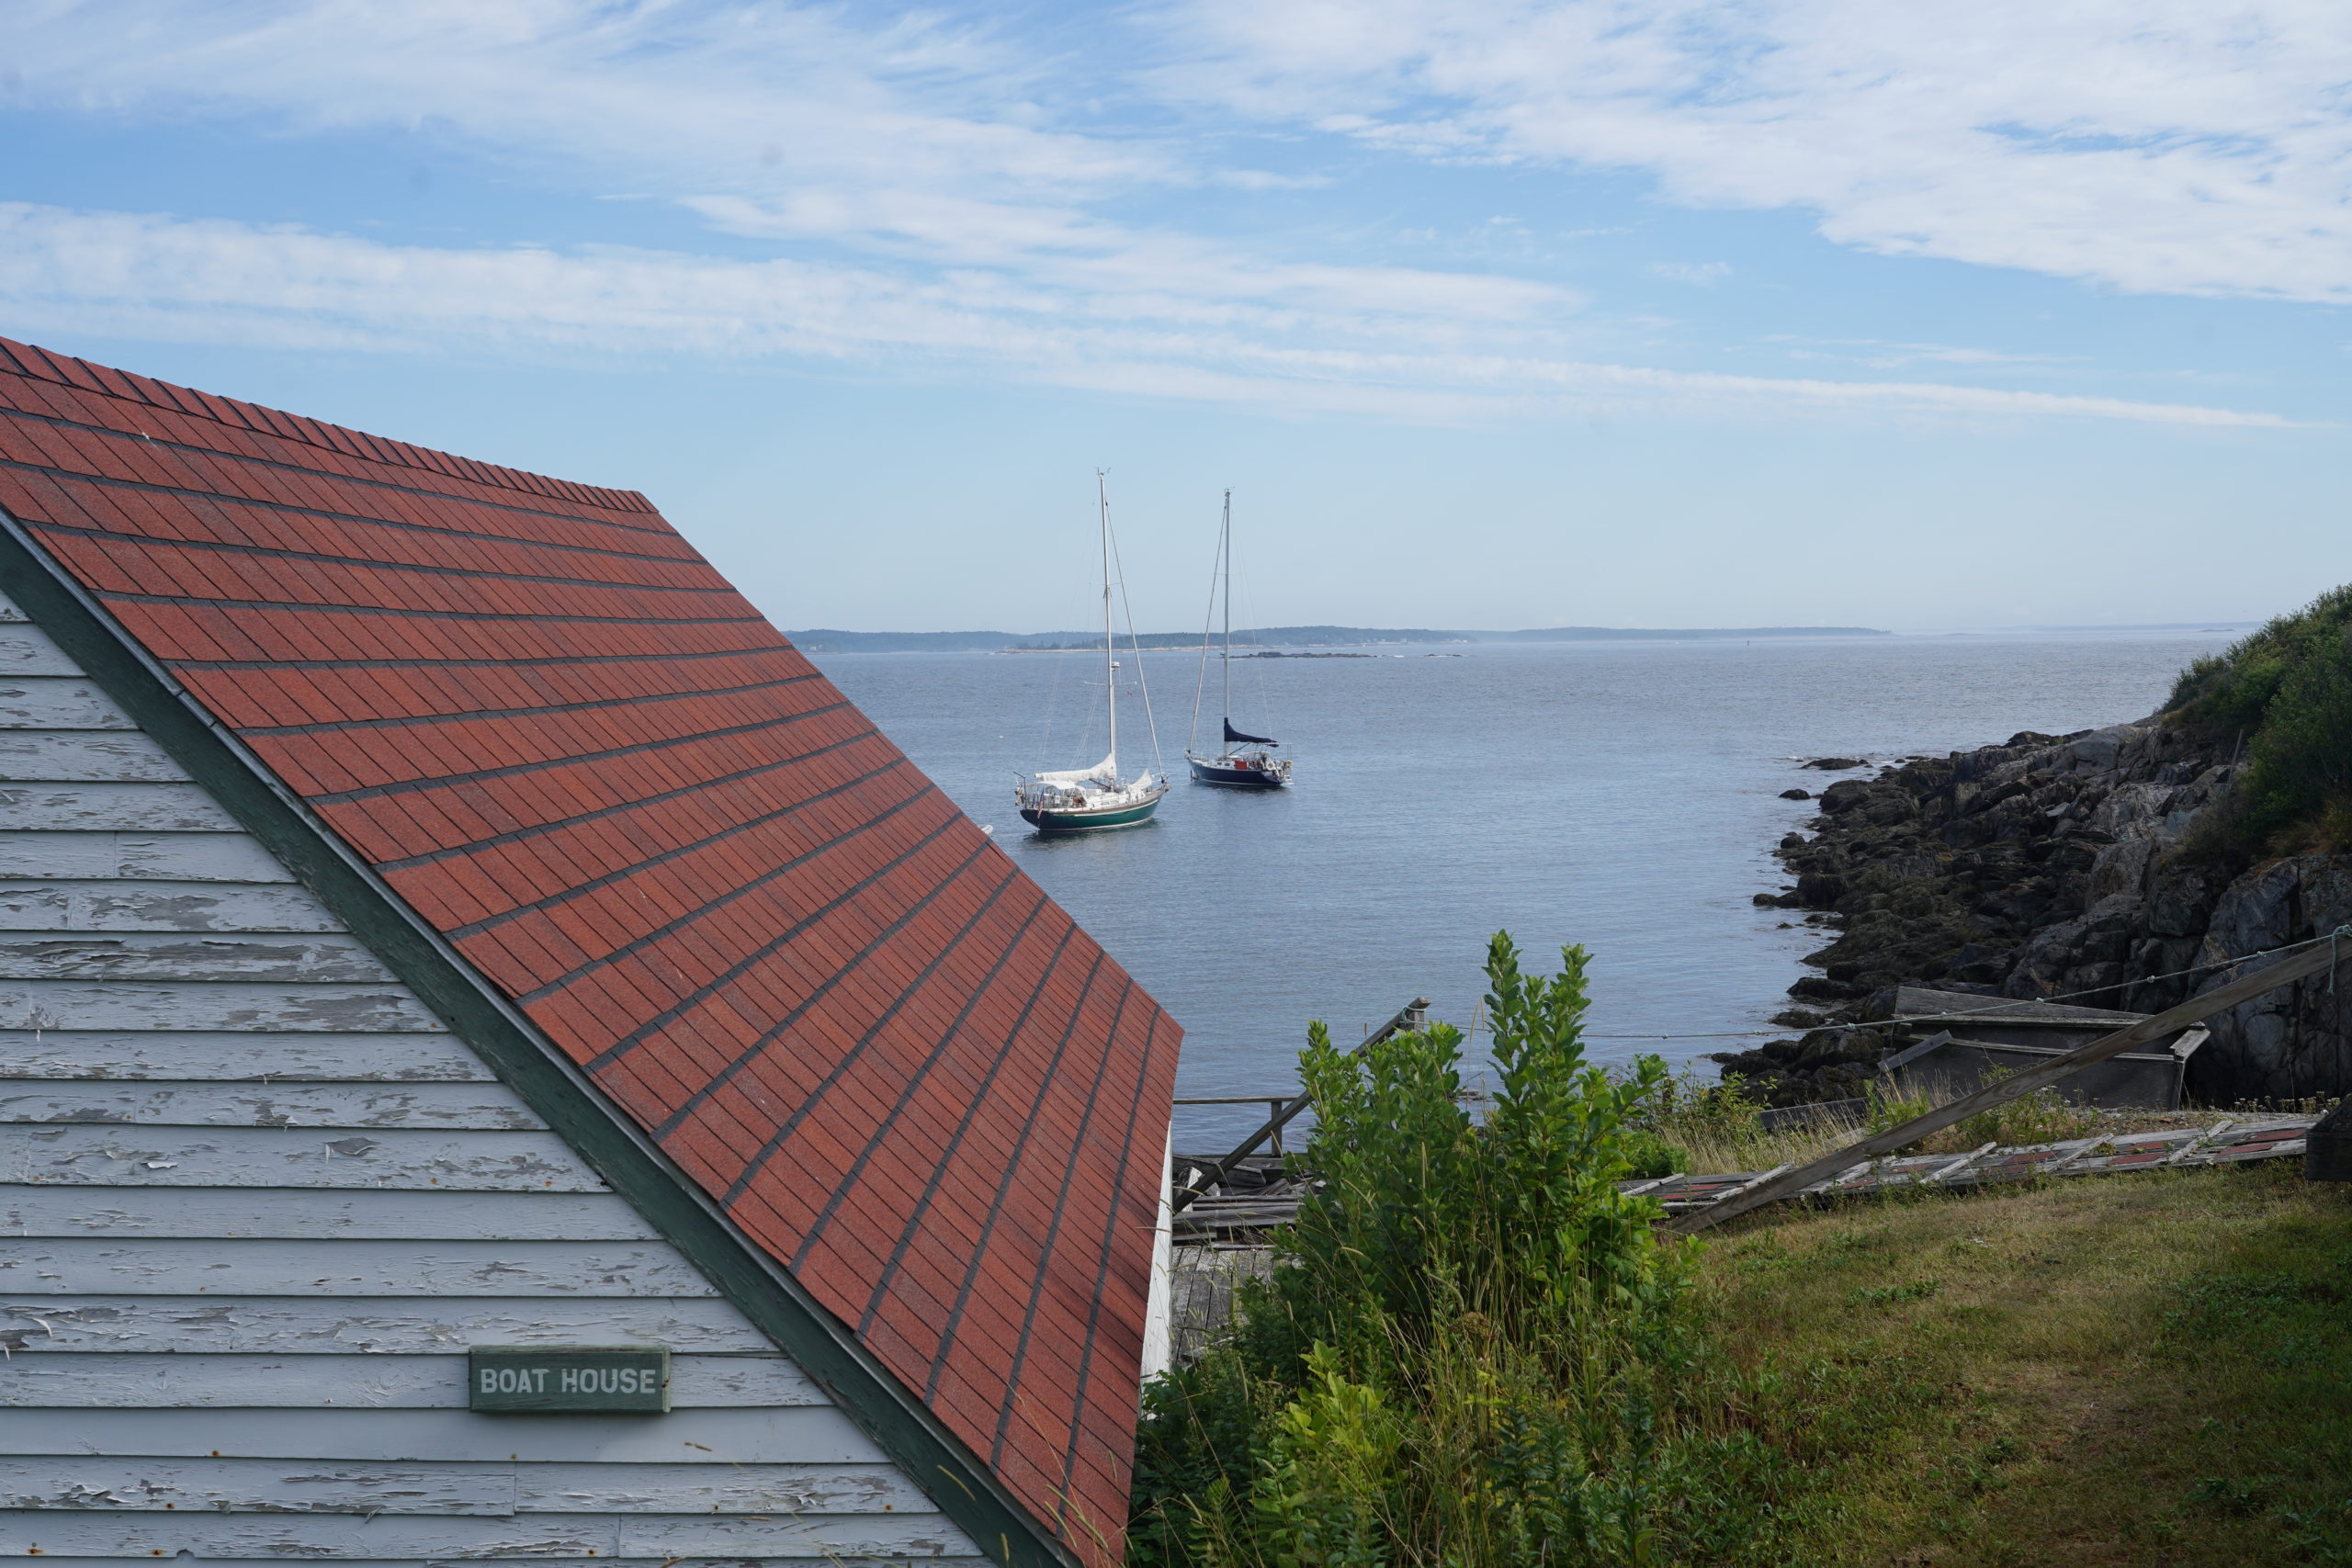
{"x":2140,"y":1369}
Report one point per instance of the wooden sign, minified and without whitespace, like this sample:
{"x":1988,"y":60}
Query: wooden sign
{"x":585,"y":1378}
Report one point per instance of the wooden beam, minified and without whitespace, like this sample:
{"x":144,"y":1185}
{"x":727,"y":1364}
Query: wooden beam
{"x":2313,"y":960}
{"x":1411,"y":1016}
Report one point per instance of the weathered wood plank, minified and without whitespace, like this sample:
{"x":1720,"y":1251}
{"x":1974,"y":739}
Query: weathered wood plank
{"x":38,"y":754}
{"x":33,"y":1266}
{"x":131,"y":956}
{"x":261,"y":1158}
{"x":435,"y":1057}
{"x":114,"y":905}
{"x":68,"y":1380}
{"x":718,"y":1488}
{"x":832,"y":1561}
{"x":26,"y":650}
{"x":296,"y":1213}
{"x":137,"y":857}
{"x":487,"y":1106}
{"x":494,"y":1490}
{"x":813,"y":1434}
{"x":596,"y":1537}
{"x":80,"y":808}
{"x":74,"y":1004}
{"x":58,"y":702}
{"x":310,"y":1324}
{"x":254,"y":1485}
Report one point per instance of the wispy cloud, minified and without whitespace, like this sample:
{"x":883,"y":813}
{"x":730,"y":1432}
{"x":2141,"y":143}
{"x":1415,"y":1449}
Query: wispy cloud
{"x":1880,"y":353}
{"x":916,"y":139}
{"x":1699,"y":274}
{"x":933,"y":191}
{"x":123,"y":275}
{"x":2156,"y":145}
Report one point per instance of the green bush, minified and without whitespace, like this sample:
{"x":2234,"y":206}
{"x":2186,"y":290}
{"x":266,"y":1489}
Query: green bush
{"x":2287,"y":691}
{"x":1471,"y":1349}
{"x":2232,"y":691}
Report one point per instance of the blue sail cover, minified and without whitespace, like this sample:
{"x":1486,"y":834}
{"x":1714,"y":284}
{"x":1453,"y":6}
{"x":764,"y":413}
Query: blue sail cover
{"x":1233,"y":737}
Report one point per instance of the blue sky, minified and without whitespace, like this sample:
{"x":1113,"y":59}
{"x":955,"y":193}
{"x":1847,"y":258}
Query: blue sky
{"x":1494,"y":313}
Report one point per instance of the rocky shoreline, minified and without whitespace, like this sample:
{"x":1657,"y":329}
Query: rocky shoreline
{"x":2053,"y":865}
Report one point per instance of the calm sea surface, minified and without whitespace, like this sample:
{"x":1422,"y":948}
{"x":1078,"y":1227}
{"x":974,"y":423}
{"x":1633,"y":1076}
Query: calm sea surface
{"x":1624,"y":795}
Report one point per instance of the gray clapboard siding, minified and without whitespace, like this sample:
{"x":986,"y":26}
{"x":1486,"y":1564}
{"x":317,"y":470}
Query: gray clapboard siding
{"x":154,"y":955}
{"x":734,"y":1560}
{"x":120,"y":904}
{"x":291,"y":1156}
{"x":224,"y":1004}
{"x":137,"y":857}
{"x":259,"y":1056}
{"x":487,"y":1106}
{"x":58,"y":702}
{"x":33,"y":755}
{"x":112,"y":808}
{"x":331,"y":1537}
{"x":91,"y":1266}
{"x":175,"y":1380}
{"x":263,"y":1203}
{"x":391,"y":1327}
{"x":716,"y":1488}
{"x":811,"y":1434}
{"x":192,"y":1212}
{"x":26,"y":650}
{"x":256,"y":1485}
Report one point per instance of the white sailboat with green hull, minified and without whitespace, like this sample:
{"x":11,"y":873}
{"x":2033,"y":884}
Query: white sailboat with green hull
{"x":1088,"y":800}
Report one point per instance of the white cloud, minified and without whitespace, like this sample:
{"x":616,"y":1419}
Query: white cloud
{"x":2157,"y":145}
{"x":1699,"y":274}
{"x":937,"y":191}
{"x":125,"y":274}
{"x":914,"y":138}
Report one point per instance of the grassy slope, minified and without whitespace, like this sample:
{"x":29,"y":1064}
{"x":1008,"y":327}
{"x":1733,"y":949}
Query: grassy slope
{"x":2141,"y":1370}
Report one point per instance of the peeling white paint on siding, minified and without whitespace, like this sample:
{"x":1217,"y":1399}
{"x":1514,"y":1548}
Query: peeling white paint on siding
{"x":255,"y":1204}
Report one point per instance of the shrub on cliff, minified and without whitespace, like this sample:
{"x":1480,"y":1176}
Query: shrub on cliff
{"x":1471,"y":1349}
{"x":2287,"y":690}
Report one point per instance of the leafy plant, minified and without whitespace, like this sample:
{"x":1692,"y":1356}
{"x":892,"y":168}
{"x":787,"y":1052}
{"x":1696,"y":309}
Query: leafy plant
{"x":2041,"y":1117}
{"x":1471,"y":1349}
{"x":2286,"y":693}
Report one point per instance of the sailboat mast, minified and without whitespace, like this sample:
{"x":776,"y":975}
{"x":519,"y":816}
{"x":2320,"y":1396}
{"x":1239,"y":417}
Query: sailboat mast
{"x":1110,"y":667}
{"x":1225,"y":548}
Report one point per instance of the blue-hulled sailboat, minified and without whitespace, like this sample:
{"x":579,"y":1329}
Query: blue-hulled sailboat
{"x":1245,"y":760}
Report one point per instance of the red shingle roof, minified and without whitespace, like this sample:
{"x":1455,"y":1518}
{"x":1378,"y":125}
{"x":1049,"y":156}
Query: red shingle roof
{"x":587,"y":760}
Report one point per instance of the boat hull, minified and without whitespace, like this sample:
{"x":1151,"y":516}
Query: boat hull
{"x":1048,"y":819}
{"x":1211,"y":773}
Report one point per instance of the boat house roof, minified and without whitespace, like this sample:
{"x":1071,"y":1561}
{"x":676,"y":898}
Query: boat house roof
{"x":582,"y":796}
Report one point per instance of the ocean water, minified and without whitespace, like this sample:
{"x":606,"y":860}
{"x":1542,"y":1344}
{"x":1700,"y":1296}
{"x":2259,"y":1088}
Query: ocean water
{"x":1623,"y":796}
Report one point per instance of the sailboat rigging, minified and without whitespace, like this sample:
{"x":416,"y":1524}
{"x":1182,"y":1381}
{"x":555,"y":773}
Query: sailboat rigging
{"x":1082,"y":800}
{"x":1243,"y":760}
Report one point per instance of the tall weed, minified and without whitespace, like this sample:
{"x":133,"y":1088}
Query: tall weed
{"x":1471,"y":1349}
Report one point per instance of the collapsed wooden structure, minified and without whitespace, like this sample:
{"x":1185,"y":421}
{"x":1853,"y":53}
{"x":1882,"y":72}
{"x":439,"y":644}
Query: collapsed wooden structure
{"x":1961,"y":1041}
{"x":1244,"y":1216}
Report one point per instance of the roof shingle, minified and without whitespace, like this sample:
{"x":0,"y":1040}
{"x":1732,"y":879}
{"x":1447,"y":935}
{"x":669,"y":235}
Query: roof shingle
{"x":582,"y":756}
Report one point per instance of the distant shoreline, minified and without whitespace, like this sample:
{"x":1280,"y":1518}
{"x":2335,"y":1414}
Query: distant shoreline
{"x":828,"y":641}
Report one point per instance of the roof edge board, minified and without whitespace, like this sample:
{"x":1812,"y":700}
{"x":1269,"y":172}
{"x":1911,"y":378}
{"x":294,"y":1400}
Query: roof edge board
{"x":957,"y":1478}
